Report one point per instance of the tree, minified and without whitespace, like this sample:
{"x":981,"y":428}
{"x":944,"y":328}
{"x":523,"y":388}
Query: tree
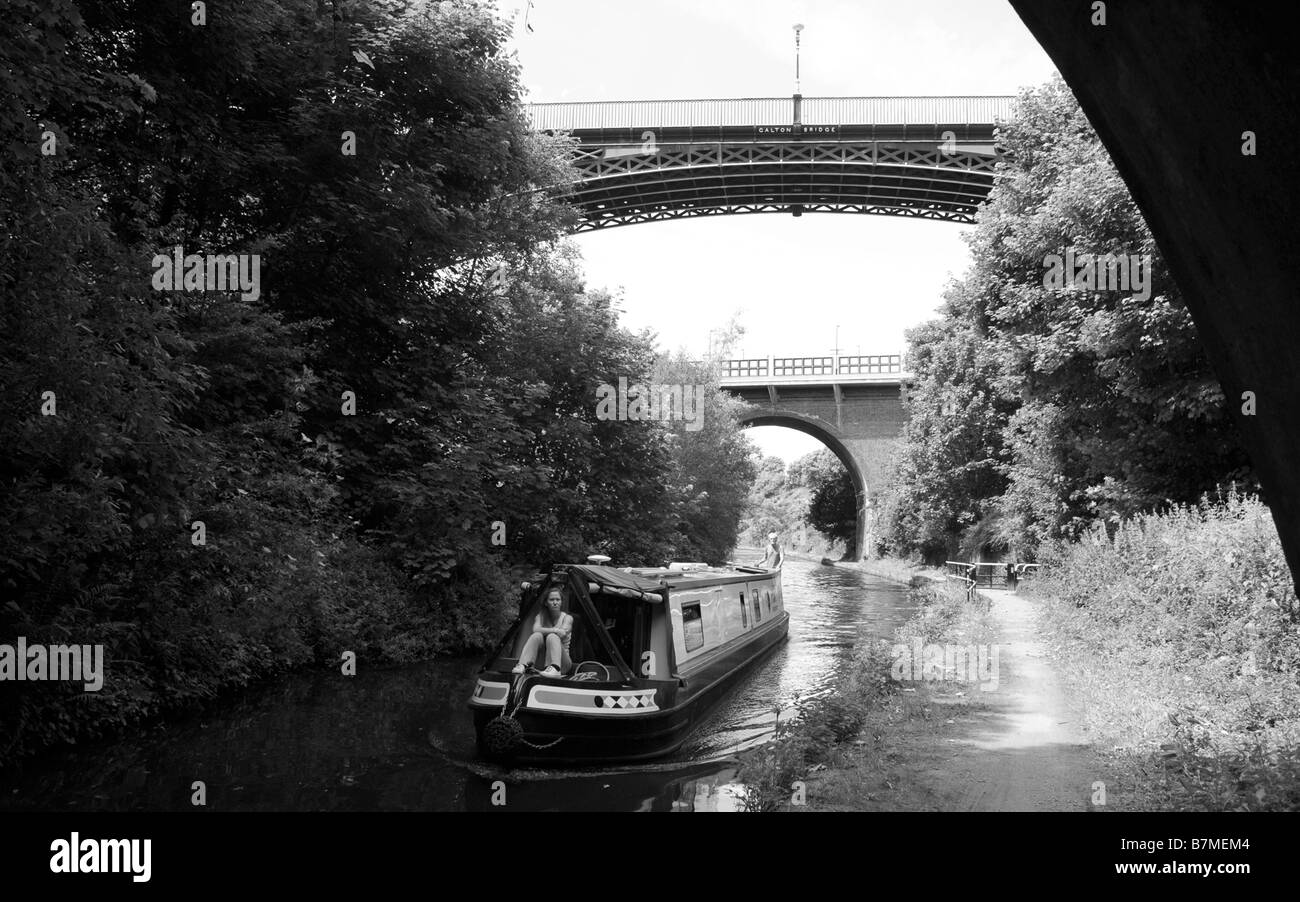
{"x":184,"y":480}
{"x":833,"y":505}
{"x":769,"y":478}
{"x":1044,"y":404}
{"x":949,"y":465}
{"x":713,"y":465}
{"x":1123,"y":410}
{"x":579,"y":483}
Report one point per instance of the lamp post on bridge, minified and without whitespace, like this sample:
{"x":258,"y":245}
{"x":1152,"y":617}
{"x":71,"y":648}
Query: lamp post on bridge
{"x":798,"y":29}
{"x":797,"y":209}
{"x":798,"y":87}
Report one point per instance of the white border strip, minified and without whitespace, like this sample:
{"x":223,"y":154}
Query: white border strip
{"x":590,"y":695}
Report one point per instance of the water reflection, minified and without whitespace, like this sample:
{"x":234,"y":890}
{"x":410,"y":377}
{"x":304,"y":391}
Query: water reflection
{"x":705,"y":787}
{"x":402,"y":740}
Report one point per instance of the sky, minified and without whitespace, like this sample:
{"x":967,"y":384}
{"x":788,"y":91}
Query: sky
{"x":789,"y":282}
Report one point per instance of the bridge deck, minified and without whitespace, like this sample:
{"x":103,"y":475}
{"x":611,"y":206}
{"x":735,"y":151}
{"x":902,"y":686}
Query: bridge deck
{"x":645,"y":161}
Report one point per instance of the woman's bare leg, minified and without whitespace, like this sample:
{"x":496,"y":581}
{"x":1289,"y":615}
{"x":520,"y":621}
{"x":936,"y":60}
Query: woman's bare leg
{"x":554,"y":651}
{"x":531,"y":648}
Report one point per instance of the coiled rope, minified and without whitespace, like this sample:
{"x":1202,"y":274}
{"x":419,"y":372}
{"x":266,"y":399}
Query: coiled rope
{"x":503,"y":733}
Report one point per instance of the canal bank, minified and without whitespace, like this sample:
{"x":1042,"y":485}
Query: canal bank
{"x":898,"y":571}
{"x":963,"y":712}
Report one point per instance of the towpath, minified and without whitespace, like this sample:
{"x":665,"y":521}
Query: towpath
{"x":1016,"y":747}
{"x":1021,"y":748}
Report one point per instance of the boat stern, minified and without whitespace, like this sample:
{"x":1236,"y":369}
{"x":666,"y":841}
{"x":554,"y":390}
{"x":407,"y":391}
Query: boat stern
{"x":557,"y":720}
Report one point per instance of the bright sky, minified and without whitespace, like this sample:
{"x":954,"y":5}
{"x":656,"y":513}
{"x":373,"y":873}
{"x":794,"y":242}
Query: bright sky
{"x":790,"y":281}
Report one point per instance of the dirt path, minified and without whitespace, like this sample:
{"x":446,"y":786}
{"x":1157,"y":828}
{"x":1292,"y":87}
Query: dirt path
{"x":1019,"y":749}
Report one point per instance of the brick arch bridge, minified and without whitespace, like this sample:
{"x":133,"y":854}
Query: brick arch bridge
{"x":852,"y":404}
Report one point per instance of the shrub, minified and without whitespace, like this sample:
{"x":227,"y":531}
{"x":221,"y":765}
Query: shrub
{"x":1181,"y":634}
{"x":822,"y":726}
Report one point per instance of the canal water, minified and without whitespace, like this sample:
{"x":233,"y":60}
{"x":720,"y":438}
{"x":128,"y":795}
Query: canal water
{"x":401,"y":740}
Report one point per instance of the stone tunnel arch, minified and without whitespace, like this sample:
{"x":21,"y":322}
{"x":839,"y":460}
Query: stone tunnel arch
{"x":837,"y":446}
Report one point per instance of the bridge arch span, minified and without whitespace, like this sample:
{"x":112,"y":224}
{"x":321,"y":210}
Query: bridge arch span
{"x":648,"y":161}
{"x":837,"y":445}
{"x":852,"y":404}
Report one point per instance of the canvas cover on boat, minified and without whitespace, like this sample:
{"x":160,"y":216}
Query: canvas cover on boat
{"x":608,"y":576}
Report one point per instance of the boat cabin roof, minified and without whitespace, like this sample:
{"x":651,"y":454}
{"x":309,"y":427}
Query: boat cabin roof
{"x":694,"y":572}
{"x":653,"y":579}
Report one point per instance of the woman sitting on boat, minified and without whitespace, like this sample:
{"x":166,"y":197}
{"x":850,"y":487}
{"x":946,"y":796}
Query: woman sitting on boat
{"x":553,"y":629}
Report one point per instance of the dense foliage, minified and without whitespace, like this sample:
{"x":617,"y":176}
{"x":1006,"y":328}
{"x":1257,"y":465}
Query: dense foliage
{"x":713,"y":466}
{"x":1179,"y":633}
{"x":1043,"y":407}
{"x":362,"y":453}
{"x":833,"y":505}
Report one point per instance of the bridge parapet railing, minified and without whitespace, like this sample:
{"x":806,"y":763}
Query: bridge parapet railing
{"x":750,"y":368}
{"x":803,"y":366}
{"x":857,"y":365}
{"x":814,"y":366}
{"x":906,"y":110}
{"x":759,"y":111}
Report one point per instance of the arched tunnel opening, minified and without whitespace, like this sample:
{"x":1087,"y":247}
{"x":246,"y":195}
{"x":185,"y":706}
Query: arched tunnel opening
{"x":839,"y":499}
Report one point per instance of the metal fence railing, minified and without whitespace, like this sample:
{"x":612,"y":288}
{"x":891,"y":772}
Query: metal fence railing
{"x":998,"y":575}
{"x":573,"y":116}
{"x":963,"y":573}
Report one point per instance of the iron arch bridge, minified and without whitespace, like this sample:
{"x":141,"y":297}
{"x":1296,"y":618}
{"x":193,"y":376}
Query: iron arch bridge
{"x":646,"y":161}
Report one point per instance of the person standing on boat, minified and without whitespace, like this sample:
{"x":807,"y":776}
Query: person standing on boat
{"x":773,"y":555}
{"x":553,"y":629}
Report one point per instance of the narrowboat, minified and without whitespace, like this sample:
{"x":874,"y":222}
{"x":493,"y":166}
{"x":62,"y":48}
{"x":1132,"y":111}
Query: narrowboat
{"x":650,"y":651}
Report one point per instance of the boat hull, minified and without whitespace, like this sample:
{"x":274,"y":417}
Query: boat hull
{"x":568,"y":737}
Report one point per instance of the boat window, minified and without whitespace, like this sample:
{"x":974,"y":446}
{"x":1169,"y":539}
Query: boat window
{"x":692,"y":626}
{"x":758,"y":611}
{"x":744,"y":612}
